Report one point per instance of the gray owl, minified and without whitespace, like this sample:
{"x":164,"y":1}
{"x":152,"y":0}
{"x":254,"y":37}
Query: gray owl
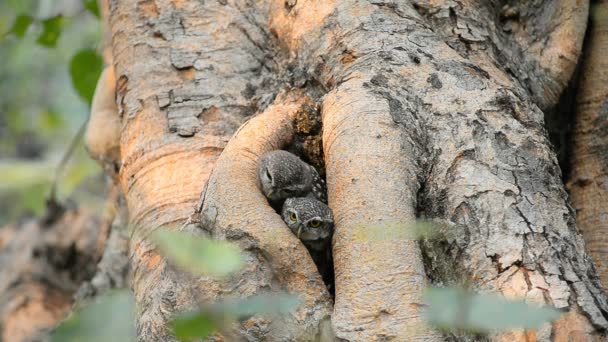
{"x":282,"y":175}
{"x":313,"y":223}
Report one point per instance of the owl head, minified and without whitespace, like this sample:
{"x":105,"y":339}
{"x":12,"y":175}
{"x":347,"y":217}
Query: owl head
{"x":309,"y":219}
{"x":282,"y":174}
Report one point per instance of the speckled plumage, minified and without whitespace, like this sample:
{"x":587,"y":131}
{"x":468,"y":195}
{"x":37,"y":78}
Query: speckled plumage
{"x":310,"y":219}
{"x":313,"y":223}
{"x":297,"y":191}
{"x":282,"y":175}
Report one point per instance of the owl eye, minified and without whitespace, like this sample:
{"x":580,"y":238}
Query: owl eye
{"x":314,"y":223}
{"x":292,"y":216}
{"x":268,"y":175}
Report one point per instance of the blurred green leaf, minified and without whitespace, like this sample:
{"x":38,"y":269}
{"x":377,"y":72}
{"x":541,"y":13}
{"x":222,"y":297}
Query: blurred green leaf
{"x":85,"y":68}
{"x":17,"y":202}
{"x":3,"y":27}
{"x":32,"y":198}
{"x":91,"y":5}
{"x":201,"y":323}
{"x":51,"y":31}
{"x":51,"y":121}
{"x":20,"y":5}
{"x":81,"y":167}
{"x":198,"y":255}
{"x":18,"y":174}
{"x":110,"y":318}
{"x":21,"y":24}
{"x":452,"y":308}
{"x":265,"y":304}
{"x":193,"y":325}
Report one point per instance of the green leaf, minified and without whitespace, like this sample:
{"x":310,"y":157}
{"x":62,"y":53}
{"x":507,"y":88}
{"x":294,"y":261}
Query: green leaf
{"x":264,"y":304}
{"x":21,"y":24}
{"x":452,"y":308}
{"x":20,"y":174}
{"x":78,"y":170}
{"x":203,"y":322}
{"x":192,"y":325}
{"x":51,"y":31}
{"x":19,"y":6}
{"x":51,"y":121}
{"x":85,"y":68}
{"x":18,"y":201}
{"x":110,"y":318}
{"x":198,"y":255}
{"x":91,"y":5}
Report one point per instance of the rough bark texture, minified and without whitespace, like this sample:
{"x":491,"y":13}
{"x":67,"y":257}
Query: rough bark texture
{"x":275,"y":258}
{"x":113,"y":268}
{"x":42,"y":266}
{"x":589,"y":181}
{"x":431,"y":108}
{"x":536,"y":42}
{"x":488,"y":165}
{"x":371,"y":170}
{"x":189,"y":74}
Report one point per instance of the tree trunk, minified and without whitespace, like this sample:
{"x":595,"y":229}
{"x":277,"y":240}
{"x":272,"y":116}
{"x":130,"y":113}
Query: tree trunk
{"x":589,"y":182}
{"x":429,"y":109}
{"x":43,"y":266}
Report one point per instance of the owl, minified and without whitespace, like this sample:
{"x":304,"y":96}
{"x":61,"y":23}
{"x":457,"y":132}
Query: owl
{"x":313,"y":223}
{"x":282,"y":175}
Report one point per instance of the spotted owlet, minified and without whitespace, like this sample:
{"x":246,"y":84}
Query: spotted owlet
{"x":282,"y":175}
{"x":313,"y":223}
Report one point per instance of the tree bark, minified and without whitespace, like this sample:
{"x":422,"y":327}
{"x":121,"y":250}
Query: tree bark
{"x":259,"y":230}
{"x":589,"y":181}
{"x":429,"y":109}
{"x":43,"y":266}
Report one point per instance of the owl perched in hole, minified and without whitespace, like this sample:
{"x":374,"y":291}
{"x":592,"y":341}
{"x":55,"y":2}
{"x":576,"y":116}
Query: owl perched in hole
{"x":313,"y":223}
{"x":282,"y":175}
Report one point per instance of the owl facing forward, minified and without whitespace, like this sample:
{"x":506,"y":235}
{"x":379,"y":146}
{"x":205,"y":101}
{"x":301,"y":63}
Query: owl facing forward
{"x":310,"y":220}
{"x":313,"y":223}
{"x":282,"y":175}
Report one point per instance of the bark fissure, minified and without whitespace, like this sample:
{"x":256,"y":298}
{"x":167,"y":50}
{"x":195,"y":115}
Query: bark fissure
{"x":260,"y":225}
{"x":419,"y":109}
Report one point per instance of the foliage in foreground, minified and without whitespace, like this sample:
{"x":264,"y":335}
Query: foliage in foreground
{"x":449,"y":309}
{"x":111,"y":317}
{"x":45,"y":45}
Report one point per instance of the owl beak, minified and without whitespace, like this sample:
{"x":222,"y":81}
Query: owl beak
{"x":299,"y":231}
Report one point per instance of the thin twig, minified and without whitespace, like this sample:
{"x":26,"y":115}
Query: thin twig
{"x":64,"y":160}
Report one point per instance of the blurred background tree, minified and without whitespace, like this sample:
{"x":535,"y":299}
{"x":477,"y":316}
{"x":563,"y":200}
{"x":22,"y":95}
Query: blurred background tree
{"x":40,"y":107}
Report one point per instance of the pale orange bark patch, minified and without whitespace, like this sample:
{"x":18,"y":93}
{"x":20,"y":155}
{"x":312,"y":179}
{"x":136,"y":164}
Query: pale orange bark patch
{"x":5,"y":236}
{"x":188,"y":74}
{"x":436,"y":3}
{"x":573,"y":326}
{"x":35,"y":309}
{"x":210,"y":114}
{"x":148,"y":8}
{"x":515,"y":286}
{"x":180,"y":3}
{"x":295,"y":24}
{"x":515,"y":335}
{"x":153,"y":260}
{"x":348,"y":57}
